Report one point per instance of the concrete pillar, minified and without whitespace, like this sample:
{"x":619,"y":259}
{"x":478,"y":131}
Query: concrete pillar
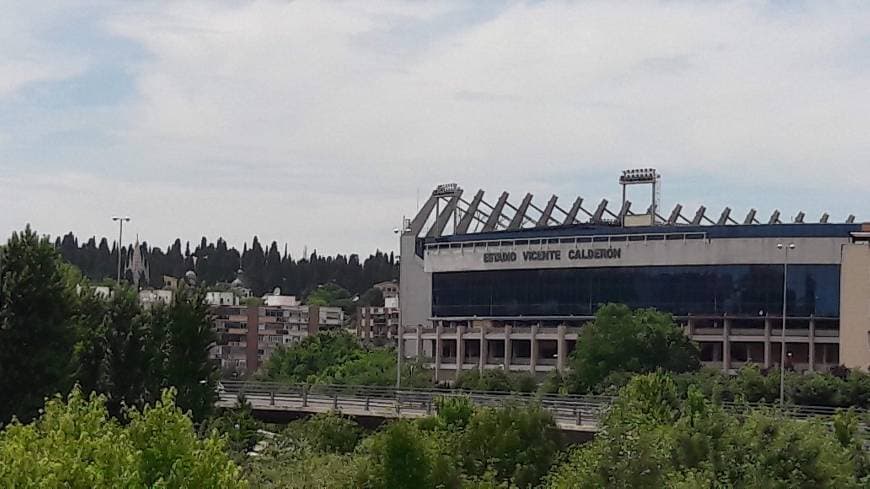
{"x":484,"y":350}
{"x":812,"y":348}
{"x":533,"y":361}
{"x":767,"y":354}
{"x":252,"y":340}
{"x":726,"y":344}
{"x":507,"y":348}
{"x":419,"y":339}
{"x":460,"y":348}
{"x":438,"y":331}
{"x":561,"y":348}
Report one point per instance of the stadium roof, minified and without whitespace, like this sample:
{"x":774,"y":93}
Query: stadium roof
{"x":448,"y":216}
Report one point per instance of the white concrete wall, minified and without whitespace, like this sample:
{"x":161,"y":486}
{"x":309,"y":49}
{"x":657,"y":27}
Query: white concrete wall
{"x":721,"y":251}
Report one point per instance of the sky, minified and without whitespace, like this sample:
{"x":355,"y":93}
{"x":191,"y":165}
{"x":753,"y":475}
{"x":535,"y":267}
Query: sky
{"x":321,"y":124}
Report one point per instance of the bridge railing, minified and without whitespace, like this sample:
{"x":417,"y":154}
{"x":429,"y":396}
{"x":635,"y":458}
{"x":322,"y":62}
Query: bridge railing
{"x":577,"y":409}
{"x":567,"y":408}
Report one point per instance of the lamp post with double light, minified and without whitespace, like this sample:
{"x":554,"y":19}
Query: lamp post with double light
{"x":120,"y":221}
{"x":782,"y":353}
{"x":400,"y":332}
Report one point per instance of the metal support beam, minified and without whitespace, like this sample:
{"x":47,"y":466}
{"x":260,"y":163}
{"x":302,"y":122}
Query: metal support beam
{"x":723,"y":219}
{"x":470,"y":212}
{"x":441,"y":220}
{"x":676,"y":214}
{"x":626,"y":208}
{"x":495,"y":215}
{"x":423,"y":216}
{"x":824,"y":218}
{"x":799,"y":218}
{"x":548,"y":210}
{"x":750,"y":217}
{"x":599,"y":212}
{"x":699,"y":216}
{"x":571,"y":217}
{"x":520,"y":216}
{"x":774,"y":218}
{"x":850,"y":219}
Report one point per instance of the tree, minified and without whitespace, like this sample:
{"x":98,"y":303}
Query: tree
{"x":77,"y":444}
{"x":110,"y":354}
{"x":313,"y":355}
{"x":237,"y":426}
{"x":37,"y":298}
{"x":621,"y":340}
{"x":654,"y":438}
{"x":398,"y":458}
{"x":188,"y":335}
{"x":496,"y":380}
{"x":517,"y":443}
{"x":326,"y":432}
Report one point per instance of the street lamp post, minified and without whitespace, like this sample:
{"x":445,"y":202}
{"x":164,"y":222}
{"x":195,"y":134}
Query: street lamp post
{"x":786,"y":248}
{"x":400,"y":333}
{"x":120,"y":221}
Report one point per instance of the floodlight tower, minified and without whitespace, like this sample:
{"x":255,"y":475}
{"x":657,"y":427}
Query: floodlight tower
{"x":642,"y":176}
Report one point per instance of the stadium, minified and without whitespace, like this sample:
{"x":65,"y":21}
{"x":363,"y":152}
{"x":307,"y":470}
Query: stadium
{"x":504,"y":285}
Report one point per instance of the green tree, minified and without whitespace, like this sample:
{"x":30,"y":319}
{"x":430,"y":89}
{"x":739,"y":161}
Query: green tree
{"x":37,"y":299}
{"x":110,"y":354}
{"x":653,"y":438}
{"x":621,"y":340}
{"x":326,"y":432}
{"x":518,"y":443}
{"x":76,"y":444}
{"x":189,"y":335}
{"x":237,"y":426}
{"x":496,"y":380}
{"x":308,"y":470}
{"x":310,"y":357}
{"x":398,"y":458}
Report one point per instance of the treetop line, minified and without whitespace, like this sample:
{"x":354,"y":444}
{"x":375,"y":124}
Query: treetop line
{"x":216,"y":262}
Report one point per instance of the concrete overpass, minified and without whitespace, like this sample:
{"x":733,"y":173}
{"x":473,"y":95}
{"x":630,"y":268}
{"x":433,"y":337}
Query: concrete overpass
{"x":578,"y":417}
{"x":571,"y":413}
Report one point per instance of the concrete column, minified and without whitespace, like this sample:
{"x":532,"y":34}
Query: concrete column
{"x":690,"y":327}
{"x":726,"y":344}
{"x":252,"y":340}
{"x":419,"y":339}
{"x":561,"y":348}
{"x":812,"y":349}
{"x":438,"y":331}
{"x":460,"y":348}
{"x":484,"y":350}
{"x":767,"y":353}
{"x":533,"y":361}
{"x":507,"y":348}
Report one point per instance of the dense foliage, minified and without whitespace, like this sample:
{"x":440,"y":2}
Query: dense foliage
{"x":264,"y":269}
{"x":37,"y":333}
{"x":77,"y":444}
{"x":622,"y":340}
{"x":496,"y":380}
{"x":337,"y":357}
{"x":55,"y":331}
{"x":655,"y":438}
{"x":460,"y":447}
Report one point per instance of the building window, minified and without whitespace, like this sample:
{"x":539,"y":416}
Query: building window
{"x":733,"y":289}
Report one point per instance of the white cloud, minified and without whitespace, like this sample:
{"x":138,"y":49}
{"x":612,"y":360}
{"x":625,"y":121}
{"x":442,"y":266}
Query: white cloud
{"x":24,"y":57}
{"x":331,"y":115}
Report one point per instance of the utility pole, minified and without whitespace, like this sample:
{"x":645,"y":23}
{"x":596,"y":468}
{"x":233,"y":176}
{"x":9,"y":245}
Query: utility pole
{"x":120,"y":221}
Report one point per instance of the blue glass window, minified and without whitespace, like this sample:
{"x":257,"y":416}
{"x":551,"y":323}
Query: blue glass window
{"x":681,"y":290}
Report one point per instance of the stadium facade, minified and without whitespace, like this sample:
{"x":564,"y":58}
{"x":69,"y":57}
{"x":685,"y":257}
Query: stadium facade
{"x":511,"y":286}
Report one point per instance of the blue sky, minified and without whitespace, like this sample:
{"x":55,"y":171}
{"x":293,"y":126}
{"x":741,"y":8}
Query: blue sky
{"x":317,"y":123}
